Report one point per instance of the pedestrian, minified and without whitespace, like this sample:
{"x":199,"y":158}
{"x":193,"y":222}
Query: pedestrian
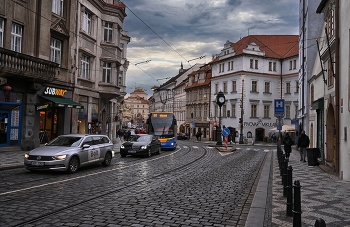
{"x":303,"y":143}
{"x":200,"y":135}
{"x":287,"y":142}
{"x":197,"y":136}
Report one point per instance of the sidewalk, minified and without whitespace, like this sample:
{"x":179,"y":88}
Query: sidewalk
{"x":323,"y":195}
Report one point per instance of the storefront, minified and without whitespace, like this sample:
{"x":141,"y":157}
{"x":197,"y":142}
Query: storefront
{"x":55,"y":109}
{"x":10,"y":116}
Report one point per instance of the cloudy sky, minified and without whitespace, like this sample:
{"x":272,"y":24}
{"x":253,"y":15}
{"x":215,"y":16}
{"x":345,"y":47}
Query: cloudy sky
{"x":171,"y":32}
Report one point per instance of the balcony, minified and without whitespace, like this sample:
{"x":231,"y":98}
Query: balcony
{"x":108,"y":91}
{"x":25,"y":66}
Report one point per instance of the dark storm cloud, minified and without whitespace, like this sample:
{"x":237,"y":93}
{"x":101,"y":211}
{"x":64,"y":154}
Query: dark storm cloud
{"x":195,"y":28}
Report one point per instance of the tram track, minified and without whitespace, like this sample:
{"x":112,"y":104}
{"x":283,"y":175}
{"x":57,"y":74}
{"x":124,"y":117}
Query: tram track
{"x":201,"y":156}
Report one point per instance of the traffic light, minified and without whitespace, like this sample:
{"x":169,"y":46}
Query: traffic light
{"x":240,"y":120}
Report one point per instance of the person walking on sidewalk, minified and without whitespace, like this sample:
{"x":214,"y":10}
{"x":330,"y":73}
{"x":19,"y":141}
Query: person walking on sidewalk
{"x":287,"y":142}
{"x":303,"y":143}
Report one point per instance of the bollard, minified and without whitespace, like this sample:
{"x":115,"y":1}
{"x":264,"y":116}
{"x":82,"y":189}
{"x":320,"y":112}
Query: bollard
{"x":282,"y":162}
{"x":289,"y":191}
{"x":297,"y":205}
{"x":320,"y":223}
{"x":284,"y":177}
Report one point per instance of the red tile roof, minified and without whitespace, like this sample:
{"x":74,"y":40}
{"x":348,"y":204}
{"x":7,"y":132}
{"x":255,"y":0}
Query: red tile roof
{"x":274,"y":46}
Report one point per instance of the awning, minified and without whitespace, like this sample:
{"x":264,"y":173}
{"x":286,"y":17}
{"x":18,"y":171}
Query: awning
{"x":61,"y":102}
{"x":318,"y":104}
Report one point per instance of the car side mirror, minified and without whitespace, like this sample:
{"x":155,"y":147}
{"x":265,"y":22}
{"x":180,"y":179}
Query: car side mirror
{"x":86,"y":146}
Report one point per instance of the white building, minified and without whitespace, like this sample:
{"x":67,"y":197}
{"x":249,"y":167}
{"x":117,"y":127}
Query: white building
{"x":252,"y":73}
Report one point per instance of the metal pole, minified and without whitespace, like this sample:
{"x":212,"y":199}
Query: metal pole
{"x":242,"y":111}
{"x":219,"y":137}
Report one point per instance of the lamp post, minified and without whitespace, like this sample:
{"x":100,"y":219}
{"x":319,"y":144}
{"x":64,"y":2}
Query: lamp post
{"x":220,"y":100}
{"x":241,"y":119}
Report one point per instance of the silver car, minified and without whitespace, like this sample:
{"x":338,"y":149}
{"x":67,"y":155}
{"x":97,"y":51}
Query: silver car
{"x":69,"y":152}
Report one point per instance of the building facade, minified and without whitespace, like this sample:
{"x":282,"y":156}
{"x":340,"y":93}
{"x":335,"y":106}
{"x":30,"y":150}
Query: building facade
{"x":252,"y":73}
{"x":100,"y":64}
{"x":138,"y":105}
{"x":198,"y":102}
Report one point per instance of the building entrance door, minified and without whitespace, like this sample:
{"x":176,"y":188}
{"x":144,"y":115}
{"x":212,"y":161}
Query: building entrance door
{"x":4,"y":128}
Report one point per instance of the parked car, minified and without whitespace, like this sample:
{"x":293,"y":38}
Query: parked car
{"x":70,"y":152}
{"x":182,"y":136}
{"x":141,"y":144}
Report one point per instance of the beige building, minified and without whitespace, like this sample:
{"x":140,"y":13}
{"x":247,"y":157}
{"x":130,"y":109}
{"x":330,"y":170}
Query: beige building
{"x":198,"y":102}
{"x":100,"y":64}
{"x":138,"y":105}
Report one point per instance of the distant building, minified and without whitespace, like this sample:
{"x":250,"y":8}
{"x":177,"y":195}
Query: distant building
{"x":138,"y":105}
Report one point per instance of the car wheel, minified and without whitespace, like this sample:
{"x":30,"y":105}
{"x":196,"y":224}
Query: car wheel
{"x":123,"y":155}
{"x":159,"y":150}
{"x":108,"y":159}
{"x":73,"y":164}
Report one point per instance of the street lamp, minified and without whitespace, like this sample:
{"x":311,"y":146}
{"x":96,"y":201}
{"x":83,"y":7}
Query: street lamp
{"x":220,"y":100}
{"x":241,"y":119}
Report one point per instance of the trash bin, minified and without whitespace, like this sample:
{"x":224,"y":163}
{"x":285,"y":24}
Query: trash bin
{"x":312,"y":156}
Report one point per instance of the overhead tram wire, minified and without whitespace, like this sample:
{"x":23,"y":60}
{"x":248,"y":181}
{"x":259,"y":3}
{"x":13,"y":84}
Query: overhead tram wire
{"x":157,"y":34}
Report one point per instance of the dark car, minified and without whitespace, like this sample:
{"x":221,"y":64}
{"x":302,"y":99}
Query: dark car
{"x":182,"y":136}
{"x":141,"y":144}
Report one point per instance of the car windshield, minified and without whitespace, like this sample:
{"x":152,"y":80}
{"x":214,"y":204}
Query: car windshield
{"x":144,"y":139}
{"x":66,"y":141}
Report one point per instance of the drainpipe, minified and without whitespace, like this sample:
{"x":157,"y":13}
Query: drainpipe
{"x":303,"y":73}
{"x":337,"y":84}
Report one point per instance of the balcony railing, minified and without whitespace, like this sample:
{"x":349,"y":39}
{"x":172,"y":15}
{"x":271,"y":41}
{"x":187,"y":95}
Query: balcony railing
{"x":14,"y":63}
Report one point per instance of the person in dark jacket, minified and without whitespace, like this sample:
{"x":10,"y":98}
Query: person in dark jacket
{"x":303,"y":143}
{"x":287,"y":142}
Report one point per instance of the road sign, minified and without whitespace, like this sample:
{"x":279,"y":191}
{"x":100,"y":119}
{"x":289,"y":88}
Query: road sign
{"x":279,"y":106}
{"x":225,"y":132}
{"x":279,"y":127}
{"x":193,"y":124}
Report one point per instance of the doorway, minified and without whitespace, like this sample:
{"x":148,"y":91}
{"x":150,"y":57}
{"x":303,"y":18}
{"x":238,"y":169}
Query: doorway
{"x":4,"y":127}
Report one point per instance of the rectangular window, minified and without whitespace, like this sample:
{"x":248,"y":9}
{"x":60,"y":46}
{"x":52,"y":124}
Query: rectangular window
{"x":216,"y":88}
{"x":85,"y":67}
{"x":224,"y":111}
{"x":270,"y":66}
{"x":233,"y":110}
{"x":294,"y":64}
{"x":108,"y":32}
{"x":216,"y":111}
{"x":251,"y":63}
{"x":57,"y":7}
{"x":288,"y":87}
{"x":287,"y":112}
{"x":56,"y":47}
{"x":256,"y":64}
{"x":86,"y":26}
{"x":274,"y":67}
{"x":205,"y":112}
{"x":234,"y":86}
{"x":2,"y":32}
{"x":296,"y":110}
{"x":228,"y":66}
{"x":253,"y":110}
{"x":231,"y":65}
{"x":223,"y":67}
{"x":267,"y":87}
{"x":16,"y":37}
{"x":107,"y":68}
{"x":330,"y":23}
{"x":254,"y":86}
{"x":296,"y":86}
{"x":200,"y":94}
{"x":225,"y":87}
{"x":290,"y":65}
{"x":266,"y":111}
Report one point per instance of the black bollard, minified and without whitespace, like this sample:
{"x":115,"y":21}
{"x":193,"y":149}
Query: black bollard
{"x":284,"y":177}
{"x":320,"y":223}
{"x":289,"y":191}
{"x":297,"y":205}
{"x":282,"y":165}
